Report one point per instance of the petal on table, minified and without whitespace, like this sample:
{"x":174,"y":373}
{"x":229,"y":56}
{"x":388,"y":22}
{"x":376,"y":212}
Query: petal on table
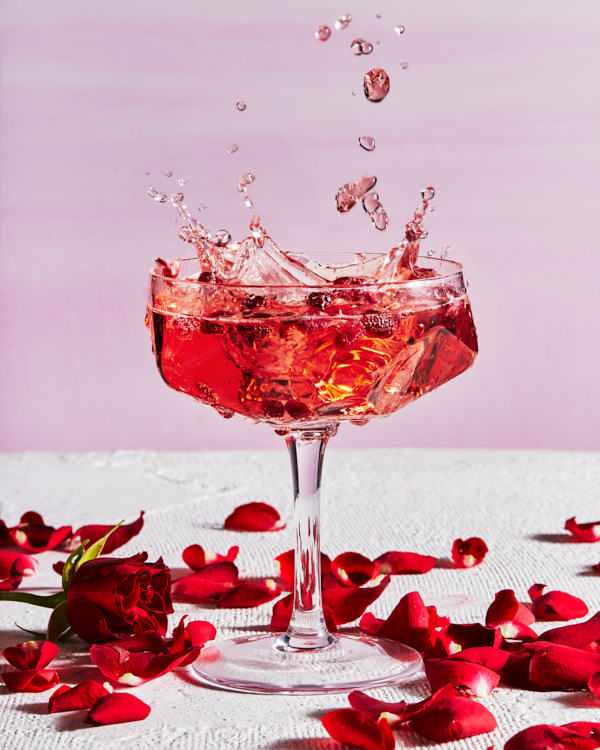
{"x":76,"y":698}
{"x":467,"y":553}
{"x":506,"y":607}
{"x":282,"y":614}
{"x":414,"y":709}
{"x":7,"y":559}
{"x":30,"y":680}
{"x":135,"y":668}
{"x":197,"y":633}
{"x":587,"y":532}
{"x":594,"y":684}
{"x":479,"y":680}
{"x":408,"y":623}
{"x":15,"y":576}
{"x":374,"y":709}
{"x":514,"y":630}
{"x":353,"y":569}
{"x":31,"y":654}
{"x":200,"y":632}
{"x":208,"y":584}
{"x":249,"y":594}
{"x":195,"y":557}
{"x":562,"y":667}
{"x":33,"y":535}
{"x":472,"y":635}
{"x":395,"y":563}
{"x":569,"y":736}
{"x":117,"y":708}
{"x":254,"y":517}
{"x":354,"y":728}
{"x":578,"y":636}
{"x":492,"y":658}
{"x":117,"y":539}
{"x":453,"y":719}
{"x":284,"y":565}
{"x":558,"y":606}
{"x":148,"y":640}
{"x":536,"y":591}
{"x":348,"y":604}
{"x":370,"y":624}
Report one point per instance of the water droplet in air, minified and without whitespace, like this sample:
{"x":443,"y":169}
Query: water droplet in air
{"x":248,"y":202}
{"x":323,"y":33}
{"x":176,"y":197}
{"x":379,"y":15}
{"x":399,"y":29}
{"x":424,"y":233}
{"x":404,"y":65}
{"x":184,"y":234}
{"x":371,"y":202}
{"x":241,"y":106}
{"x":169,"y":174}
{"x":233,"y":148}
{"x":367,"y":142}
{"x":343,"y":21}
{"x":346,"y":196}
{"x":225,"y":413}
{"x":202,"y":207}
{"x":376,"y":85}
{"x":354,"y":93}
{"x":146,"y":171}
{"x":378,"y":42}
{"x":222,"y":237}
{"x":244,"y":181}
{"x":427,"y":193}
{"x":431,"y":208}
{"x":375,"y":210}
{"x":152,"y":192}
{"x":361,"y":47}
{"x":182,"y":182}
{"x":430,"y":253}
{"x":444,"y":251}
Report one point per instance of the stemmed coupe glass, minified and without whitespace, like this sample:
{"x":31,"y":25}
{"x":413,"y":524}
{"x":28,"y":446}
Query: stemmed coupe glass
{"x":304,"y":359}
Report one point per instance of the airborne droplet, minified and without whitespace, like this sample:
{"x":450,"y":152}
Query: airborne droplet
{"x":427,"y":193}
{"x":343,"y":21}
{"x":379,"y":15}
{"x":146,"y":171}
{"x":169,"y":174}
{"x":241,"y":106}
{"x":233,"y":148}
{"x":399,"y":29}
{"x":444,"y":251}
{"x":371,"y":202}
{"x":182,"y":182}
{"x":404,"y":65}
{"x":176,"y":197}
{"x":347,"y":195}
{"x":323,"y":33}
{"x":222,"y":237}
{"x":376,"y":85}
{"x":202,"y":207}
{"x":244,"y":181}
{"x":361,"y":47}
{"x":367,"y":142}
{"x":248,"y":202}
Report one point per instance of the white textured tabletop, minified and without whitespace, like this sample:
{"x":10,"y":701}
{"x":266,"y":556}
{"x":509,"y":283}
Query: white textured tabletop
{"x":373,"y":501}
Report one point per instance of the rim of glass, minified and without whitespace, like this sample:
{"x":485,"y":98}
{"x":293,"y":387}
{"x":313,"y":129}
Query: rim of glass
{"x":454,"y":269}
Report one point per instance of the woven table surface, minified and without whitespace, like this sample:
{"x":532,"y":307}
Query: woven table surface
{"x":373,"y":501}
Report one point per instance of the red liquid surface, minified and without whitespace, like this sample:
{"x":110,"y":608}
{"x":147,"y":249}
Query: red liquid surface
{"x":286,"y":364}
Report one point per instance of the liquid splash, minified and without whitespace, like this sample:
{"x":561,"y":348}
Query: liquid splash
{"x":241,"y":106}
{"x":323,"y":33}
{"x":343,"y":22}
{"x":233,"y":148}
{"x":376,"y":85}
{"x":399,"y":29}
{"x":367,"y":142}
{"x":349,"y":193}
{"x":361,"y":47}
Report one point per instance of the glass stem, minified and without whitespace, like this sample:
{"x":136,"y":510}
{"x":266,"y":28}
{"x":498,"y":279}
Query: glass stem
{"x":307,"y":629}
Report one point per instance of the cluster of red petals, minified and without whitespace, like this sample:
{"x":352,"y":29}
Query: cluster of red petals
{"x":117,"y":539}
{"x":284,"y":565}
{"x":556,"y":606}
{"x":8,"y":558}
{"x":105,"y":707}
{"x":587,"y":532}
{"x":506,"y":607}
{"x":254,"y":517}
{"x":578,"y":735}
{"x":443,"y":717}
{"x":11,"y":579}
{"x":76,"y":698}
{"x":354,"y":569}
{"x":32,"y":535}
{"x":195,"y":557}
{"x":30,"y":658}
{"x":468,"y":552}
{"x":396,"y":563}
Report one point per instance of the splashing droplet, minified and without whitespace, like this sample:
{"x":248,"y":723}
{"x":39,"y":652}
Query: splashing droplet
{"x":182,"y":182}
{"x":248,"y":201}
{"x":404,"y":65}
{"x":244,"y":181}
{"x":379,"y":15}
{"x":361,"y":47}
{"x":176,"y":197}
{"x":146,"y":171}
{"x":376,"y":211}
{"x":202,"y":207}
{"x":444,"y":251}
{"x":399,"y":29}
{"x":431,"y":208}
{"x":354,"y":93}
{"x":323,"y":33}
{"x":376,"y":85}
{"x":371,"y":202}
{"x":233,"y":148}
{"x":160,"y":197}
{"x":348,"y":194}
{"x":367,"y":142}
{"x":222,"y":237}
{"x":378,"y":42}
{"x":152,"y":192}
{"x":430,"y":253}
{"x":343,"y":21}
{"x":169,"y":174}
{"x":241,"y":106}
{"x":427,"y":193}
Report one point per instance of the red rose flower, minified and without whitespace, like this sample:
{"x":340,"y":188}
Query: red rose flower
{"x":110,"y":597}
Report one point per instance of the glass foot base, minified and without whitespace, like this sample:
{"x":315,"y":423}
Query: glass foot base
{"x":253,"y":665}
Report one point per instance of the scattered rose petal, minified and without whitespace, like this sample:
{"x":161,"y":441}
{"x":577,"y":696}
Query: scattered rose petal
{"x":558,"y":606}
{"x":453,"y":719}
{"x":15,"y":576}
{"x":31,"y":654}
{"x":487,"y":656}
{"x":516,"y":669}
{"x":7,"y":558}
{"x":536,"y":591}
{"x":195,"y":557}
{"x":353,"y":569}
{"x":408,"y":623}
{"x":594,"y":683}
{"x":30,"y":680}
{"x":197,"y":633}
{"x":33,"y":535}
{"x":134,"y":668}
{"x":395,"y":563}
{"x":354,"y":728}
{"x":282,"y":614}
{"x":170,"y":268}
{"x":452,"y":638}
{"x":348,"y":604}
{"x":284,"y":565}
{"x":566,"y":737}
{"x":208,"y":584}
{"x":479,"y":680}
{"x":468,"y":552}
{"x":117,"y":708}
{"x":76,"y":698}
{"x":514,"y":630}
{"x":370,"y":624}
{"x":374,"y":709}
{"x":249,"y":594}
{"x":587,"y":532}
{"x":117,"y":539}
{"x":254,"y":517}
{"x":562,"y":667}
{"x":581,"y":635}
{"x":506,"y":607}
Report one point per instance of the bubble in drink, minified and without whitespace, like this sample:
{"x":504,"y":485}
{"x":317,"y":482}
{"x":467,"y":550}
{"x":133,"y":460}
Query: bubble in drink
{"x":241,"y":106}
{"x":376,"y":85}
{"x":367,"y":142}
{"x":404,"y":65}
{"x":348,"y":194}
{"x":182,"y":182}
{"x":399,"y":29}
{"x":176,"y":197}
{"x":427,"y":193}
{"x":248,"y":202}
{"x":361,"y":47}
{"x":222,"y":237}
{"x":343,"y":21}
{"x":169,"y":174}
{"x":244,"y":181}
{"x":323,"y":33}
{"x":233,"y":148}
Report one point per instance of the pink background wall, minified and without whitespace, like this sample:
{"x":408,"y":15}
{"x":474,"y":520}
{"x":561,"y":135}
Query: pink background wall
{"x":498,"y":109}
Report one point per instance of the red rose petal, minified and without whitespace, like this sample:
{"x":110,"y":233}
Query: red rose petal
{"x":195,"y":557}
{"x":562,"y":667}
{"x":348,"y":604}
{"x":76,"y":698}
{"x":149,"y":640}
{"x":284,"y":565}
{"x":135,"y":668}
{"x":197,"y":633}
{"x":506,"y":607}
{"x":374,"y":709}
{"x":559,"y":606}
{"x":7,"y":558}
{"x":469,"y":636}
{"x":354,"y":728}
{"x":514,"y":630}
{"x":353,"y":569}
{"x":117,"y":539}
{"x":208,"y":584}
{"x":566,"y":737}
{"x":254,"y":517}
{"x":487,"y":656}
{"x":249,"y":594}
{"x":408,"y":623}
{"x":480,"y":680}
{"x":577,"y":636}
{"x":395,"y":563}
{"x":31,"y":654}
{"x":587,"y":532}
{"x":282,"y":614}
{"x":201,"y":632}
{"x":414,"y":709}
{"x":33,"y":536}
{"x":453,"y":719}
{"x":468,"y":552}
{"x":536,"y":591}
{"x":594,"y":684}
{"x":117,"y":708}
{"x":13,"y":581}
{"x":30,"y":680}
{"x":370,"y":624}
